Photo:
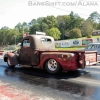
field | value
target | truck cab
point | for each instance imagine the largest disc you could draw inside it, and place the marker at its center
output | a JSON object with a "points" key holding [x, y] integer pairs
{"points": [[30, 47]]}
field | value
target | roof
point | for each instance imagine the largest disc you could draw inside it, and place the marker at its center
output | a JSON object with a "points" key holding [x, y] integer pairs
{"points": [[38, 43]]}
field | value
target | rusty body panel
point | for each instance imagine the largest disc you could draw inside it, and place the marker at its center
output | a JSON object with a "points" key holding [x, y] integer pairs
{"points": [[37, 50], [68, 61], [12, 57]]}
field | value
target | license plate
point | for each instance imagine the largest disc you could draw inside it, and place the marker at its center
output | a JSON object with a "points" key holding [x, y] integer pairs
{"points": [[87, 62]]}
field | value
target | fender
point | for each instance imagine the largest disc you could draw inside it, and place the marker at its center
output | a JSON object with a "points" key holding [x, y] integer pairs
{"points": [[61, 57], [12, 57]]}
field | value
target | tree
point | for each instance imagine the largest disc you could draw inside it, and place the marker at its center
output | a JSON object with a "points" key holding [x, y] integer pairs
{"points": [[12, 36], [19, 27], [63, 23], [24, 27], [75, 21], [55, 33], [5, 28], [51, 21], [68, 22], [87, 28], [33, 21], [34, 28], [98, 28], [40, 19], [4, 35], [95, 17], [75, 33], [44, 27]]}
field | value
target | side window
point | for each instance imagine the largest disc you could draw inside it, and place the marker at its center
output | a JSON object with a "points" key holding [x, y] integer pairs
{"points": [[89, 47], [45, 40], [93, 46], [26, 43]]}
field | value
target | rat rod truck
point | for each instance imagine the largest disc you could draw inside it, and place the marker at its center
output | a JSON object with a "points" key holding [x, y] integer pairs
{"points": [[39, 51]]}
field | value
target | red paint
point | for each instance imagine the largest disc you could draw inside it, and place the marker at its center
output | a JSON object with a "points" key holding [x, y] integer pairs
{"points": [[16, 94]]}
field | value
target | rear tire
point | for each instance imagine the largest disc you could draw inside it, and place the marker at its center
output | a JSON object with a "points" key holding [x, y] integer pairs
{"points": [[52, 66], [9, 64]]}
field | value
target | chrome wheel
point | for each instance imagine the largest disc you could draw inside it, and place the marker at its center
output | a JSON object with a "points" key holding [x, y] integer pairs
{"points": [[52, 66]]}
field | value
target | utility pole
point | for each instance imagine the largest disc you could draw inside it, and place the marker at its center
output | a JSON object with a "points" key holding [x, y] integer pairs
{"points": [[23, 31]]}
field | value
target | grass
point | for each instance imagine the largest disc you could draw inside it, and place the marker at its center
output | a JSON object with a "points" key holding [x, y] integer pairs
{"points": [[71, 48], [95, 36], [86, 37]]}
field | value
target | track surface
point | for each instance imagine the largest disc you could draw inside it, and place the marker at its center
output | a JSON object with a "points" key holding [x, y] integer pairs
{"points": [[35, 84]]}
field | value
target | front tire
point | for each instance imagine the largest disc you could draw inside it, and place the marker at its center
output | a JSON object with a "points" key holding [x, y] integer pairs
{"points": [[52, 66], [9, 64]]}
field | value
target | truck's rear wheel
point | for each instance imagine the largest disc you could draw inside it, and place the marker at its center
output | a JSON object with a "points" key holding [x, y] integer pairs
{"points": [[52, 66], [9, 64]]}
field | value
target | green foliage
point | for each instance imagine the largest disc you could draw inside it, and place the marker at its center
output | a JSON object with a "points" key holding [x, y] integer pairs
{"points": [[87, 28], [51, 21], [44, 27], [98, 27], [3, 36], [75, 21], [63, 23], [54, 32], [59, 27], [68, 22], [95, 17], [8, 36], [34, 28], [75, 33]]}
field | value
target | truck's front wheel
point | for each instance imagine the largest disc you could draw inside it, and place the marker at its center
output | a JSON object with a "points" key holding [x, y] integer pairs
{"points": [[52, 66], [9, 64]]}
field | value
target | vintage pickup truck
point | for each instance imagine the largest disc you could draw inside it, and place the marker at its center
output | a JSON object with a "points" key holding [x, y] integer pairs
{"points": [[39, 51]]}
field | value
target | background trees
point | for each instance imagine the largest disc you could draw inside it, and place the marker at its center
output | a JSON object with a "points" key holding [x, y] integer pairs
{"points": [[60, 27], [75, 33], [87, 29], [55, 33]]}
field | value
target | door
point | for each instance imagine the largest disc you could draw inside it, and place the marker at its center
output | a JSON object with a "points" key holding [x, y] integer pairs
{"points": [[25, 53]]}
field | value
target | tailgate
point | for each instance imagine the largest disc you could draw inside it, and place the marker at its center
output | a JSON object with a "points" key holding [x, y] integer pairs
{"points": [[90, 57]]}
